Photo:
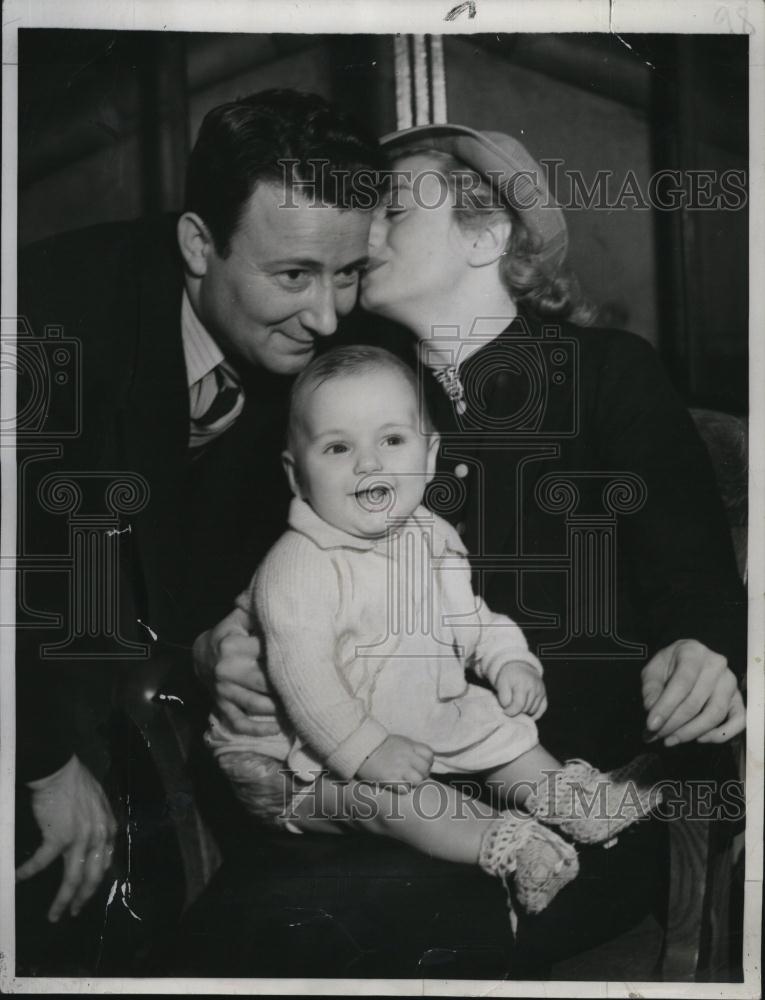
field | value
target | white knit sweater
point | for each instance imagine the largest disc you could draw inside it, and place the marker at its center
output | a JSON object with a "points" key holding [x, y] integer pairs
{"points": [[370, 637]]}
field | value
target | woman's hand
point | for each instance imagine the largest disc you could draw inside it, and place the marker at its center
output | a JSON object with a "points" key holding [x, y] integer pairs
{"points": [[226, 662], [690, 694], [75, 821]]}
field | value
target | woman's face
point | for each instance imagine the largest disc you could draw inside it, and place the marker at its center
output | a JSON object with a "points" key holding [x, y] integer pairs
{"points": [[416, 248]]}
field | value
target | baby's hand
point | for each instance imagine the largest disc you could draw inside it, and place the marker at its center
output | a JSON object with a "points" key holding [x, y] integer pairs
{"points": [[397, 759], [521, 689]]}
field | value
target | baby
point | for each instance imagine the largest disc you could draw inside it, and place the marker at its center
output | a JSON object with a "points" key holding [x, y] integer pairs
{"points": [[370, 622]]}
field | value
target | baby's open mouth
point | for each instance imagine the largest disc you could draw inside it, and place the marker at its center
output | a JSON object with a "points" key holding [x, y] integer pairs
{"points": [[376, 497]]}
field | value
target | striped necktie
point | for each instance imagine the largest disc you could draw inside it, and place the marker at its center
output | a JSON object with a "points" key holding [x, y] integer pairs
{"points": [[216, 401]]}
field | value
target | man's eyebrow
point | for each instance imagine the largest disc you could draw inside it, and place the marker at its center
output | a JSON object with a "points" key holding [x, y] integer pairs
{"points": [[359, 262], [311, 264], [307, 263]]}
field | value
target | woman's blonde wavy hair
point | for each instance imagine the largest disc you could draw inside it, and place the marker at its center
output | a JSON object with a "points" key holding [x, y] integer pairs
{"points": [[548, 295]]}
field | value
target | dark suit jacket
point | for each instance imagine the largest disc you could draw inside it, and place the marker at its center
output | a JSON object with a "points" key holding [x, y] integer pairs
{"points": [[115, 290]]}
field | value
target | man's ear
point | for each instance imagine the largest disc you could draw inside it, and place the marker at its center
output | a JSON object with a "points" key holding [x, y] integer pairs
{"points": [[490, 242], [289, 467], [195, 243], [432, 456]]}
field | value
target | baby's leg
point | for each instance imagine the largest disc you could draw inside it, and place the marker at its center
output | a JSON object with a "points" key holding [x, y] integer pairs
{"points": [[444, 823], [432, 817], [515, 781]]}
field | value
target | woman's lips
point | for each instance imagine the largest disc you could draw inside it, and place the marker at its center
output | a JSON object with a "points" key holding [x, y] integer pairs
{"points": [[372, 266]]}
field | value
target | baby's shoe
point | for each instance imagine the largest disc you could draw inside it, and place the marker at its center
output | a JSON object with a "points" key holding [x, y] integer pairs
{"points": [[540, 861], [592, 807]]}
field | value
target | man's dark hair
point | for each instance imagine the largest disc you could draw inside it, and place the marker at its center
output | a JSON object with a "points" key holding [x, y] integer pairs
{"points": [[250, 139]]}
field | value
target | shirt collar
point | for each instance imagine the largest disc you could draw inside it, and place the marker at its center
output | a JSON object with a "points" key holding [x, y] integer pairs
{"points": [[201, 352], [303, 518]]}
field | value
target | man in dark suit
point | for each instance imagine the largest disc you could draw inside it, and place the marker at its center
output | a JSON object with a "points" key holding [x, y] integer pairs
{"points": [[186, 332]]}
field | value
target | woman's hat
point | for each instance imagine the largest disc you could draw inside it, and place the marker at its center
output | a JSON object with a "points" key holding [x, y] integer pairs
{"points": [[514, 174]]}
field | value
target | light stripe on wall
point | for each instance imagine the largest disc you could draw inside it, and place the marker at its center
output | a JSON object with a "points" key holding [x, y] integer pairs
{"points": [[420, 80], [437, 79], [403, 83]]}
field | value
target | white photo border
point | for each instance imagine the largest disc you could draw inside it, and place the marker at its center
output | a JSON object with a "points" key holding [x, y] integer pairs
{"points": [[409, 16]]}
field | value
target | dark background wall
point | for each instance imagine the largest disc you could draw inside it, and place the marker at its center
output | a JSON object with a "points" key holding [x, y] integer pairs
{"points": [[106, 120]]}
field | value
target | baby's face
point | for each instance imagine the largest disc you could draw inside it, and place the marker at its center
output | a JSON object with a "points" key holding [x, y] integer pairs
{"points": [[361, 460]]}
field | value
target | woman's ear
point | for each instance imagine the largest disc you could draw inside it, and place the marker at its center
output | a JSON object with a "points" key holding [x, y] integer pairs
{"points": [[490, 242], [289, 467], [195, 243], [432, 455]]}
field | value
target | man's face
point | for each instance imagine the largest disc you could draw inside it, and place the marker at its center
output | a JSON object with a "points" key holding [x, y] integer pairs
{"points": [[360, 458], [290, 273]]}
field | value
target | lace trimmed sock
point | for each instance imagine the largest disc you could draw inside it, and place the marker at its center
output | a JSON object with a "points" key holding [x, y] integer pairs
{"points": [[539, 861], [590, 806]]}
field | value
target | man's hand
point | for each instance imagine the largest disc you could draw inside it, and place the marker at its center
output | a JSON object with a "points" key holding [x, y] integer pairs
{"points": [[226, 662], [397, 759], [521, 689], [690, 694], [76, 821]]}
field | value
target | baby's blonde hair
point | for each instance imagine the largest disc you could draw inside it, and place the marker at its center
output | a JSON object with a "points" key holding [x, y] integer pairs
{"points": [[342, 362]]}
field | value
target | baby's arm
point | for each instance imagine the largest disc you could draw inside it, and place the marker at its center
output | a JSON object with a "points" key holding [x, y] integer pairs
{"points": [[495, 646], [503, 658], [296, 596]]}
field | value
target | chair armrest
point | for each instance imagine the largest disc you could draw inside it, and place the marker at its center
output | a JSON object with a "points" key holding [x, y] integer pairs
{"points": [[162, 699]]}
